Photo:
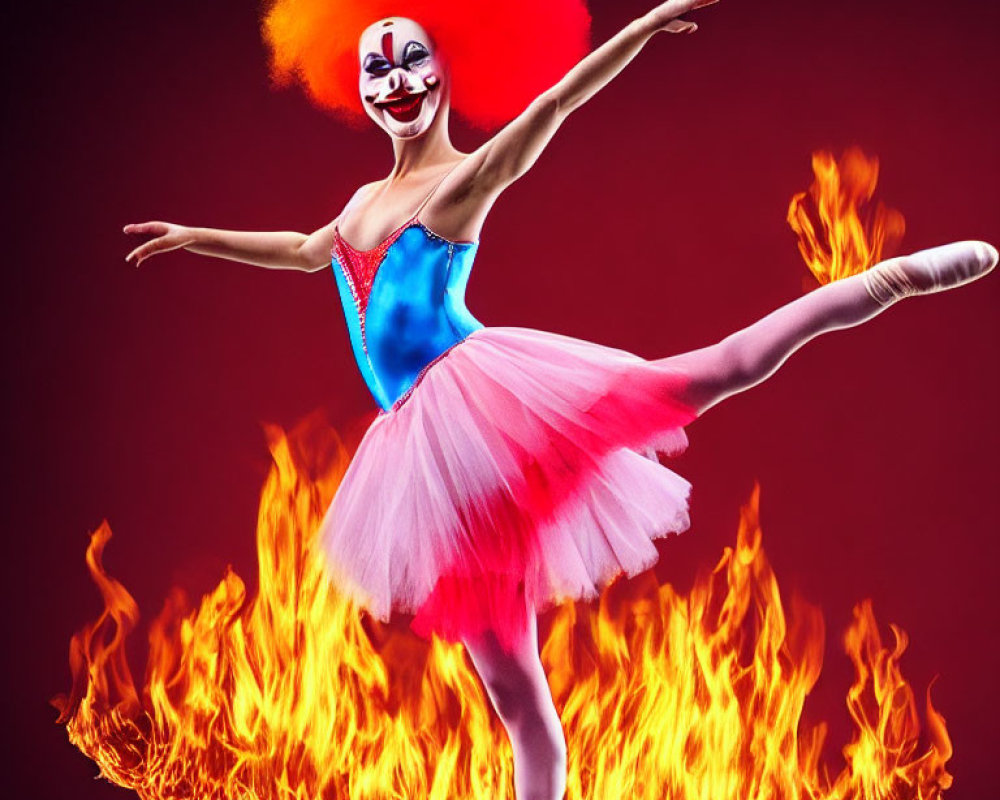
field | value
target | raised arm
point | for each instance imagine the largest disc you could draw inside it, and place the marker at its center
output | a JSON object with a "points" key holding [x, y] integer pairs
{"points": [[274, 250], [512, 152]]}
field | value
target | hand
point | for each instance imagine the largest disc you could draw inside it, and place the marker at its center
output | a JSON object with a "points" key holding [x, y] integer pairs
{"points": [[665, 16], [165, 236]]}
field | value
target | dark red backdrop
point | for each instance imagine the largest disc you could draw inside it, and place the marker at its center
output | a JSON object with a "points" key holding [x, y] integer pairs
{"points": [[654, 223]]}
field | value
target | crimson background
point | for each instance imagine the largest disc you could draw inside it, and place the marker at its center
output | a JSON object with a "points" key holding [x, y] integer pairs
{"points": [[654, 223]]}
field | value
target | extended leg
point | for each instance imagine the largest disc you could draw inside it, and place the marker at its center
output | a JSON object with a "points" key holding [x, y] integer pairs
{"points": [[751, 355], [520, 694]]}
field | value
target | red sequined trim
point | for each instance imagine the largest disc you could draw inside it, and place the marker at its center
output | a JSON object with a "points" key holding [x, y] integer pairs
{"points": [[361, 266]]}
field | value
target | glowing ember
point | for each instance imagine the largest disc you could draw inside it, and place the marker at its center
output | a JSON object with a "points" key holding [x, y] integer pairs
{"points": [[840, 234], [288, 695]]}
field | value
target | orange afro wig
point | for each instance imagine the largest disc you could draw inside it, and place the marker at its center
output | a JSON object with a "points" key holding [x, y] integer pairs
{"points": [[501, 55]]}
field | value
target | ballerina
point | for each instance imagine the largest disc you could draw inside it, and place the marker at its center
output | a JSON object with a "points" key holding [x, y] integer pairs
{"points": [[510, 468]]}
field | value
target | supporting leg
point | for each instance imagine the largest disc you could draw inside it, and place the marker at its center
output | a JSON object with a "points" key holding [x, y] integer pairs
{"points": [[753, 354], [520, 695]]}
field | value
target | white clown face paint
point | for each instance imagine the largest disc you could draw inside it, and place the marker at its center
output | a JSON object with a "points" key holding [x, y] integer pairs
{"points": [[401, 77]]}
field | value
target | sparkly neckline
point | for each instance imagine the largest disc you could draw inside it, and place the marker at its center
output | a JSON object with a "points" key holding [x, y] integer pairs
{"points": [[395, 234]]}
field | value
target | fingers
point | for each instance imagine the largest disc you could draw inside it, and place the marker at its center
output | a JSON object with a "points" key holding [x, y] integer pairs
{"points": [[158, 230], [142, 252], [668, 15], [154, 228], [681, 26], [160, 244]]}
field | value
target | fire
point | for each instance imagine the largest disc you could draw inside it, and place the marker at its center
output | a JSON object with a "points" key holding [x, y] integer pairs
{"points": [[840, 233], [289, 693]]}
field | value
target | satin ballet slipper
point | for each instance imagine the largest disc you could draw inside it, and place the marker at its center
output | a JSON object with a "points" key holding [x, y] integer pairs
{"points": [[926, 271]]}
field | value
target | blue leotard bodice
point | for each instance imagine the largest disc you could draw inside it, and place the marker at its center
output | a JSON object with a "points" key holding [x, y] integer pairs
{"points": [[404, 302]]}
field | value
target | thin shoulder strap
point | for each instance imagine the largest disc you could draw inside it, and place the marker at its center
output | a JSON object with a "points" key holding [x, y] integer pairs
{"points": [[436, 187], [350, 203]]}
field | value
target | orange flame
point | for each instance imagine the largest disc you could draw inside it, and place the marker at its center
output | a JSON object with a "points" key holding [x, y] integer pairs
{"points": [[839, 233], [289, 694]]}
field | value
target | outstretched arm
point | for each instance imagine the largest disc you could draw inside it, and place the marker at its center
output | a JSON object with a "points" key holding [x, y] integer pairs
{"points": [[275, 250], [512, 152]]}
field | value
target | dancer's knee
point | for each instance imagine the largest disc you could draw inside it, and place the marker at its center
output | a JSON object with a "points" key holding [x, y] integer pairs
{"points": [[518, 698], [735, 364], [521, 698], [509, 696]]}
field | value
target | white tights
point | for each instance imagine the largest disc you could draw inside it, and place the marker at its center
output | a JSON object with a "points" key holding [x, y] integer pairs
{"points": [[516, 685], [752, 355]]}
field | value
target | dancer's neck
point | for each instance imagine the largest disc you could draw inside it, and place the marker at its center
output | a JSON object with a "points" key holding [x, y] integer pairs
{"points": [[427, 151]]}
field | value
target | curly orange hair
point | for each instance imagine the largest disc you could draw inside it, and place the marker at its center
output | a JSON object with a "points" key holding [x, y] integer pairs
{"points": [[501, 55]]}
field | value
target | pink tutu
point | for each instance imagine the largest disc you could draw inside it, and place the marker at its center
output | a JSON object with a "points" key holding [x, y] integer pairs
{"points": [[520, 471]]}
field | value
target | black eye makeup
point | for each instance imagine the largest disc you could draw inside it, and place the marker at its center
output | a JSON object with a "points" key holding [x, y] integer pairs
{"points": [[376, 65], [414, 53]]}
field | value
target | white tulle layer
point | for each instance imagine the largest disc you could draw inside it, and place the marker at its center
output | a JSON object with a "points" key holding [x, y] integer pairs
{"points": [[513, 476]]}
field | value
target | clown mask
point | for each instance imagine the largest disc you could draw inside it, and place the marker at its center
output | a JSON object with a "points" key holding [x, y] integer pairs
{"points": [[400, 79]]}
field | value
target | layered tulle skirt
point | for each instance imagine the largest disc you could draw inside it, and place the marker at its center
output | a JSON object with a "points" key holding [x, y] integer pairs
{"points": [[521, 470]]}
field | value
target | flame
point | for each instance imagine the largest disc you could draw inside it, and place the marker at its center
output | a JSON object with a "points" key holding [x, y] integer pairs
{"points": [[289, 693], [840, 234]]}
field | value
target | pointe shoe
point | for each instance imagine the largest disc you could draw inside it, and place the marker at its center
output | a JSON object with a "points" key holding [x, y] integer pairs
{"points": [[927, 271]]}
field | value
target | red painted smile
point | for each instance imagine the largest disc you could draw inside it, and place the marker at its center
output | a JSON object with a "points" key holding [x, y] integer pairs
{"points": [[403, 109]]}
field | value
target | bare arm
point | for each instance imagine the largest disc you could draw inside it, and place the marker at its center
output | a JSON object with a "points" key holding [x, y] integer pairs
{"points": [[512, 152], [274, 250]]}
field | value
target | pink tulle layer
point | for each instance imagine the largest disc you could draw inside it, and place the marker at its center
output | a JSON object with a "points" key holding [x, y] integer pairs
{"points": [[518, 473]]}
